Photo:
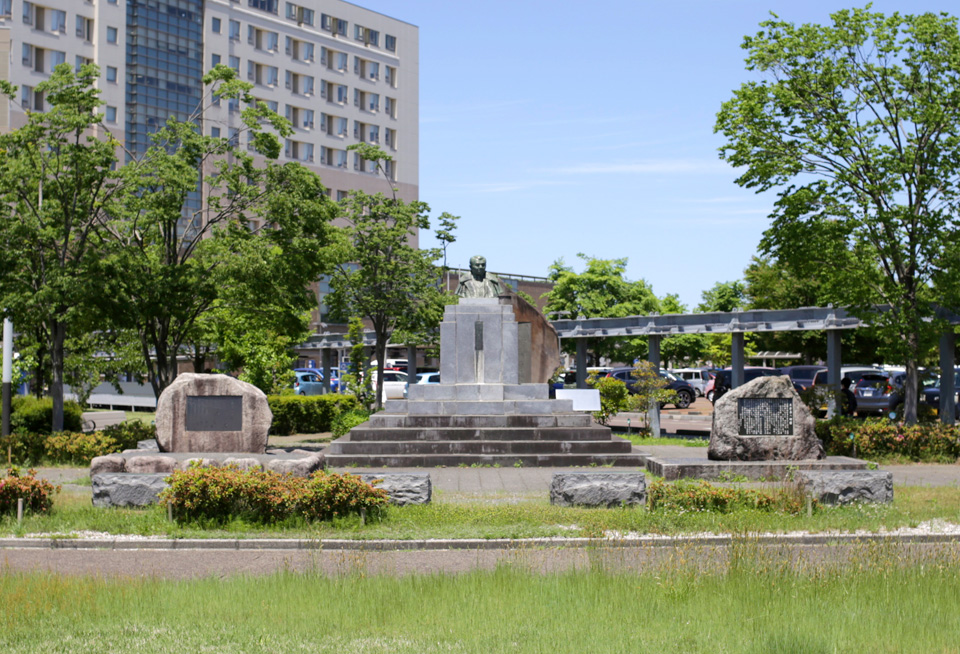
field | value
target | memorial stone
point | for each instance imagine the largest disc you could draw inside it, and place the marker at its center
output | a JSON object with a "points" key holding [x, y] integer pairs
{"points": [[763, 420], [212, 413]]}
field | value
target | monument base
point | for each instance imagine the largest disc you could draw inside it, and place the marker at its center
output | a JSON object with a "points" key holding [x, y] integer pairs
{"points": [[700, 467]]}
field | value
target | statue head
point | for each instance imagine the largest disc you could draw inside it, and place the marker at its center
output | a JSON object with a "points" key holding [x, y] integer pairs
{"points": [[478, 267]]}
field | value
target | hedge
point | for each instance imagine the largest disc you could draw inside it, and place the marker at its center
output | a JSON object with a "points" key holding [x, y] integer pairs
{"points": [[73, 447], [36, 416], [308, 414], [879, 437]]}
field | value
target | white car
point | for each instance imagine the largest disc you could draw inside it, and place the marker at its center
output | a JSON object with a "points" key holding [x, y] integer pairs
{"points": [[394, 383], [428, 378]]}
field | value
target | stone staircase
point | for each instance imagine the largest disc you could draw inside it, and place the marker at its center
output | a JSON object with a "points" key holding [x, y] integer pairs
{"points": [[559, 439]]}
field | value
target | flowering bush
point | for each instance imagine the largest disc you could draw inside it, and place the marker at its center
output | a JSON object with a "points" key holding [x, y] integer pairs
{"points": [[220, 494], [879, 437], [702, 496], [36, 493]]}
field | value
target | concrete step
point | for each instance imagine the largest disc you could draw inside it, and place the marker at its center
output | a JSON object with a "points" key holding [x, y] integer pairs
{"points": [[503, 460], [478, 447], [593, 433], [482, 421]]}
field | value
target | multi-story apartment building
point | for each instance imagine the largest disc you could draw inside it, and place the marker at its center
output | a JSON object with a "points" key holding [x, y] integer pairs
{"points": [[340, 73]]}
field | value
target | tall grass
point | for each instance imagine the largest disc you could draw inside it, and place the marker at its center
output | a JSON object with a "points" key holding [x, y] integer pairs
{"points": [[880, 602]]}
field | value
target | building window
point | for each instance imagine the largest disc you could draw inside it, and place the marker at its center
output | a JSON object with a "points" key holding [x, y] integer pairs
{"points": [[58, 21], [367, 35], [390, 76], [85, 28], [111, 74], [79, 62], [214, 60], [111, 114], [215, 25], [390, 107], [234, 63], [111, 35], [57, 58], [335, 26], [215, 132], [28, 14], [234, 30], [6, 8], [300, 14], [390, 42], [264, 5]]}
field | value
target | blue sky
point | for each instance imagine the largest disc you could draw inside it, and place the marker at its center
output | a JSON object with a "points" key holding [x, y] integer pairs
{"points": [[553, 129]]}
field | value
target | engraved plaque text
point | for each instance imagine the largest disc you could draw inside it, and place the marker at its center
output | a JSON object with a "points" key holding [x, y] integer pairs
{"points": [[214, 413], [765, 416]]}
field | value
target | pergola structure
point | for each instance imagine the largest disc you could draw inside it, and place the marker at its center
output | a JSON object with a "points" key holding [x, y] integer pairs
{"points": [[830, 319]]}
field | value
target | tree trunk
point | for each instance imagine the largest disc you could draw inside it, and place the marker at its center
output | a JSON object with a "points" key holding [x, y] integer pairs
{"points": [[911, 383], [57, 338], [381, 351]]}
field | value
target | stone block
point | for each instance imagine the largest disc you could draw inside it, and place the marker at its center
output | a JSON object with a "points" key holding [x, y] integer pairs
{"points": [[607, 489], [148, 445], [425, 408], [473, 408], [127, 489], [542, 406], [526, 392], [243, 463], [107, 464], [491, 392], [511, 367], [298, 467], [403, 488], [847, 486], [431, 392], [203, 462], [448, 350], [151, 464], [212, 413], [776, 424]]}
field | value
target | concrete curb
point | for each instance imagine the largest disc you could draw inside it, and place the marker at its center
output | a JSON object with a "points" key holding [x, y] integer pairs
{"points": [[275, 544]]}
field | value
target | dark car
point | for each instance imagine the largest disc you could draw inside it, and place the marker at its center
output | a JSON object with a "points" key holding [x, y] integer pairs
{"points": [[724, 378], [931, 392], [873, 393], [685, 392], [801, 376], [334, 376]]}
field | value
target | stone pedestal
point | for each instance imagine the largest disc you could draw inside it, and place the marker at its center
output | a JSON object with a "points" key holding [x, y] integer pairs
{"points": [[480, 412]]}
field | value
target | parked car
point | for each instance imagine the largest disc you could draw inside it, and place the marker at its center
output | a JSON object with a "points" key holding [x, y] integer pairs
{"points": [[307, 383], [873, 392], [801, 376], [428, 378], [685, 392], [334, 376], [931, 393], [853, 372], [696, 377], [394, 383], [725, 378]]}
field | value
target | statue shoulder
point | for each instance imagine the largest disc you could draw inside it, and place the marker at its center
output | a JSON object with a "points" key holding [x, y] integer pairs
{"points": [[493, 277], [466, 276]]}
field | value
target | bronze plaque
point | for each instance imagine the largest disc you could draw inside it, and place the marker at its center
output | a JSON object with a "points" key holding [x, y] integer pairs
{"points": [[214, 413], [765, 416]]}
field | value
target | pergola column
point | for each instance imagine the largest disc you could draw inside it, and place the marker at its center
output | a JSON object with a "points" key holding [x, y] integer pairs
{"points": [[653, 411], [833, 371], [736, 359], [581, 363], [325, 356], [948, 400]]}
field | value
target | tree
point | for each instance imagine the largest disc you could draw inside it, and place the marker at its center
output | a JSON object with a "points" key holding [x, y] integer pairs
{"points": [[388, 281], [57, 191], [600, 291], [246, 254], [858, 124], [681, 349], [648, 388], [723, 297]]}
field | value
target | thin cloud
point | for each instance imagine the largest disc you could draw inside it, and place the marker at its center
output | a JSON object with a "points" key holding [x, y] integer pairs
{"points": [[650, 167], [506, 187]]}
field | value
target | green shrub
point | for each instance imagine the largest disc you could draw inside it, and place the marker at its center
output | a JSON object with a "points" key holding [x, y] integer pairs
{"points": [[310, 414], [25, 448], [346, 421], [36, 493], [222, 494], [79, 448], [129, 433], [879, 437], [703, 496], [614, 397], [36, 416]]}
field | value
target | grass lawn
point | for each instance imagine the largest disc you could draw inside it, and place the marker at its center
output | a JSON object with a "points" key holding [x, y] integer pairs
{"points": [[879, 604], [524, 519]]}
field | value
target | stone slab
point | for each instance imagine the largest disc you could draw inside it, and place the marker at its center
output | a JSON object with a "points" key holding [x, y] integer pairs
{"points": [[127, 489], [135, 461], [606, 489], [847, 486], [749, 425], [174, 435], [526, 392], [700, 467], [403, 488]]}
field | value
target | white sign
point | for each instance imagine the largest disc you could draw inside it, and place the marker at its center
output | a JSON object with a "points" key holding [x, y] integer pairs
{"points": [[584, 399]]}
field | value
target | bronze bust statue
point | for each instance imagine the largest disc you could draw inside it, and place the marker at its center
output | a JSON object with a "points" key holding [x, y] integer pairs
{"points": [[478, 283]]}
